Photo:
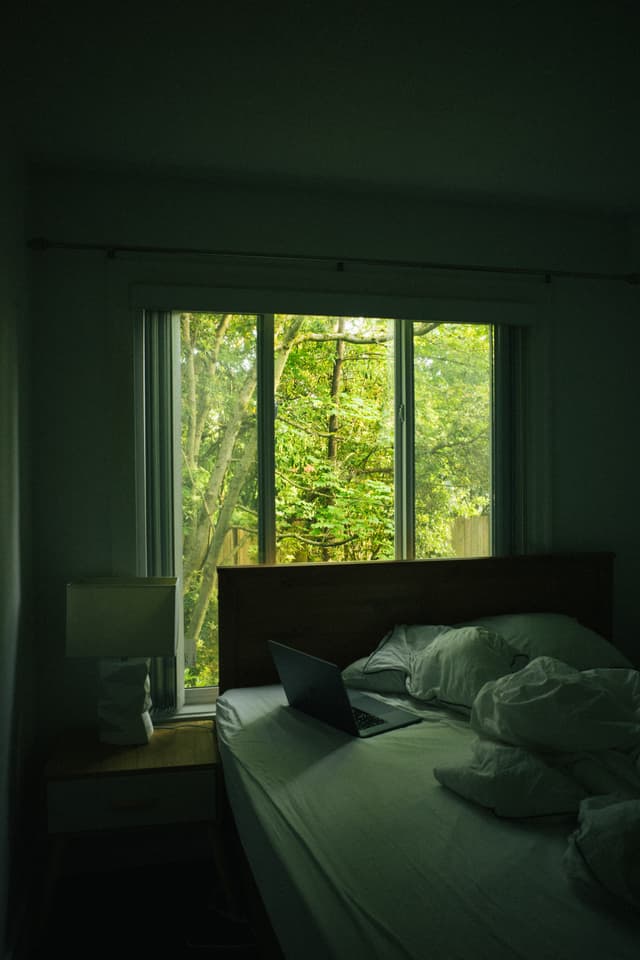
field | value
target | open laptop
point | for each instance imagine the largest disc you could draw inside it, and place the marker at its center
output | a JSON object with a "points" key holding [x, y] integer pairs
{"points": [[316, 687]]}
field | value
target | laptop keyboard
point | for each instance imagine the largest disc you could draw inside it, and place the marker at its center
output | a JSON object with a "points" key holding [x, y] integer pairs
{"points": [[364, 719]]}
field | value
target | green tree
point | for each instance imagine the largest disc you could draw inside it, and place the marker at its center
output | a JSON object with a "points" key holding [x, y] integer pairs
{"points": [[334, 446], [452, 373], [334, 443]]}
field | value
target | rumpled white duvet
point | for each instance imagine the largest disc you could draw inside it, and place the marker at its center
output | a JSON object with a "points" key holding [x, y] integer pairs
{"points": [[551, 740], [554, 740]]}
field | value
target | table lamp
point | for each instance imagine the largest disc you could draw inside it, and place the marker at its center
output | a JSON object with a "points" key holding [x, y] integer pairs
{"points": [[123, 622]]}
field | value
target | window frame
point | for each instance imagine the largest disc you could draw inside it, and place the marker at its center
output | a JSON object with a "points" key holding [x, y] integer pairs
{"points": [[507, 528]]}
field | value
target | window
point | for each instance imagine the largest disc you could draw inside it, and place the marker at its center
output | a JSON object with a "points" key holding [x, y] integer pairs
{"points": [[296, 438]]}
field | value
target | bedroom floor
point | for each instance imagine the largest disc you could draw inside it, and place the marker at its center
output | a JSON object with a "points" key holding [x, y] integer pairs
{"points": [[144, 912]]}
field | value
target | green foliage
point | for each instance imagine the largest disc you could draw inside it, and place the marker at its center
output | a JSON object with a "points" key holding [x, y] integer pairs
{"points": [[452, 371], [335, 502], [333, 445]]}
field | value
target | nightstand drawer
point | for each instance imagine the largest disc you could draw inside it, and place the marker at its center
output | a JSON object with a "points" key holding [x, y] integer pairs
{"points": [[111, 802]]}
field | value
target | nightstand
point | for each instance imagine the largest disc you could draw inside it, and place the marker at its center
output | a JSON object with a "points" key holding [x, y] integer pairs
{"points": [[135, 833], [93, 789], [98, 786]]}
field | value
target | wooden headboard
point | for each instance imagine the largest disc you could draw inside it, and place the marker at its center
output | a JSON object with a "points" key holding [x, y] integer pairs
{"points": [[341, 611]]}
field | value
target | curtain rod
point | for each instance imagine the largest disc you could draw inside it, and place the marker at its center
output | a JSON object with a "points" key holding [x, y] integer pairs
{"points": [[112, 249]]}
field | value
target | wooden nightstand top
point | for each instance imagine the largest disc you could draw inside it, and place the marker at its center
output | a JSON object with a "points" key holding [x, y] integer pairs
{"points": [[188, 743]]}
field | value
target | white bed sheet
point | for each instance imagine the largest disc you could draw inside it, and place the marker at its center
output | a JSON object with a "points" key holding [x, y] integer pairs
{"points": [[359, 852]]}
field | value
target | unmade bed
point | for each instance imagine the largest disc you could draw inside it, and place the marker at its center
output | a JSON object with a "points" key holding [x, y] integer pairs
{"points": [[362, 847]]}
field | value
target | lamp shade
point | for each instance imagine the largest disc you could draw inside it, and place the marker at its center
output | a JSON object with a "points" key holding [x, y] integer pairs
{"points": [[135, 617]]}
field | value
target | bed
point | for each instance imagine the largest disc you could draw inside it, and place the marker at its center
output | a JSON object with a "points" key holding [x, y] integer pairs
{"points": [[356, 847]]}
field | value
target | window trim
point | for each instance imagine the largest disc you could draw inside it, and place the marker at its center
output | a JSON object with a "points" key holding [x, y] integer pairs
{"points": [[137, 282], [162, 484], [508, 453]]}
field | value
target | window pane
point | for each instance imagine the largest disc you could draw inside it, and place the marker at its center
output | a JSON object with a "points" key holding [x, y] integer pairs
{"points": [[334, 438], [452, 383], [334, 449], [219, 471]]}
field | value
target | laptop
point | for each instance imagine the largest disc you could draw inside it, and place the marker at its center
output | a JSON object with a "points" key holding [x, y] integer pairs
{"points": [[316, 687]]}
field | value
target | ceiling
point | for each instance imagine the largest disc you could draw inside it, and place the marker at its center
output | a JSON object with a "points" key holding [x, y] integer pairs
{"points": [[512, 101]]}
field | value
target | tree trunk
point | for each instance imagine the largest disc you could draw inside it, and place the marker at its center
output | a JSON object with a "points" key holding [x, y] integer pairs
{"points": [[209, 577], [205, 546], [336, 382]]}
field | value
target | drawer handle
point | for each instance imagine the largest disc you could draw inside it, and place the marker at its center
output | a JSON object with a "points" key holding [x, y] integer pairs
{"points": [[144, 804]]}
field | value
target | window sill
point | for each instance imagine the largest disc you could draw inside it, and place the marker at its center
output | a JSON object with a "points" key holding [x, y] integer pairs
{"points": [[203, 711]]}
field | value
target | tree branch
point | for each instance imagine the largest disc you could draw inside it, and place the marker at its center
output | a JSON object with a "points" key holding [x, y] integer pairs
{"points": [[458, 443], [325, 544]]}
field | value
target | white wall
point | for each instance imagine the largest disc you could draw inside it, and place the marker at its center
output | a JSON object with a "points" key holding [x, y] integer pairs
{"points": [[82, 378], [218, 215], [596, 449], [16, 697], [73, 396]]}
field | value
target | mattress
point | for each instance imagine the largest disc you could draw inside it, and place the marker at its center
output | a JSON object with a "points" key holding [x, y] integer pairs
{"points": [[358, 851]]}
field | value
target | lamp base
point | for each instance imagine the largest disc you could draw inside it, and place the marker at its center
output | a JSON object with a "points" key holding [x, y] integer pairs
{"points": [[124, 702]]}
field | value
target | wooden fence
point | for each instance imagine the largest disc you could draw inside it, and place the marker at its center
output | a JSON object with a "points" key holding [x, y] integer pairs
{"points": [[471, 536]]}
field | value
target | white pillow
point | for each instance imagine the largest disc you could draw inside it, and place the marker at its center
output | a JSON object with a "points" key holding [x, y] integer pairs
{"points": [[380, 681], [554, 635], [399, 648], [457, 663]]}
